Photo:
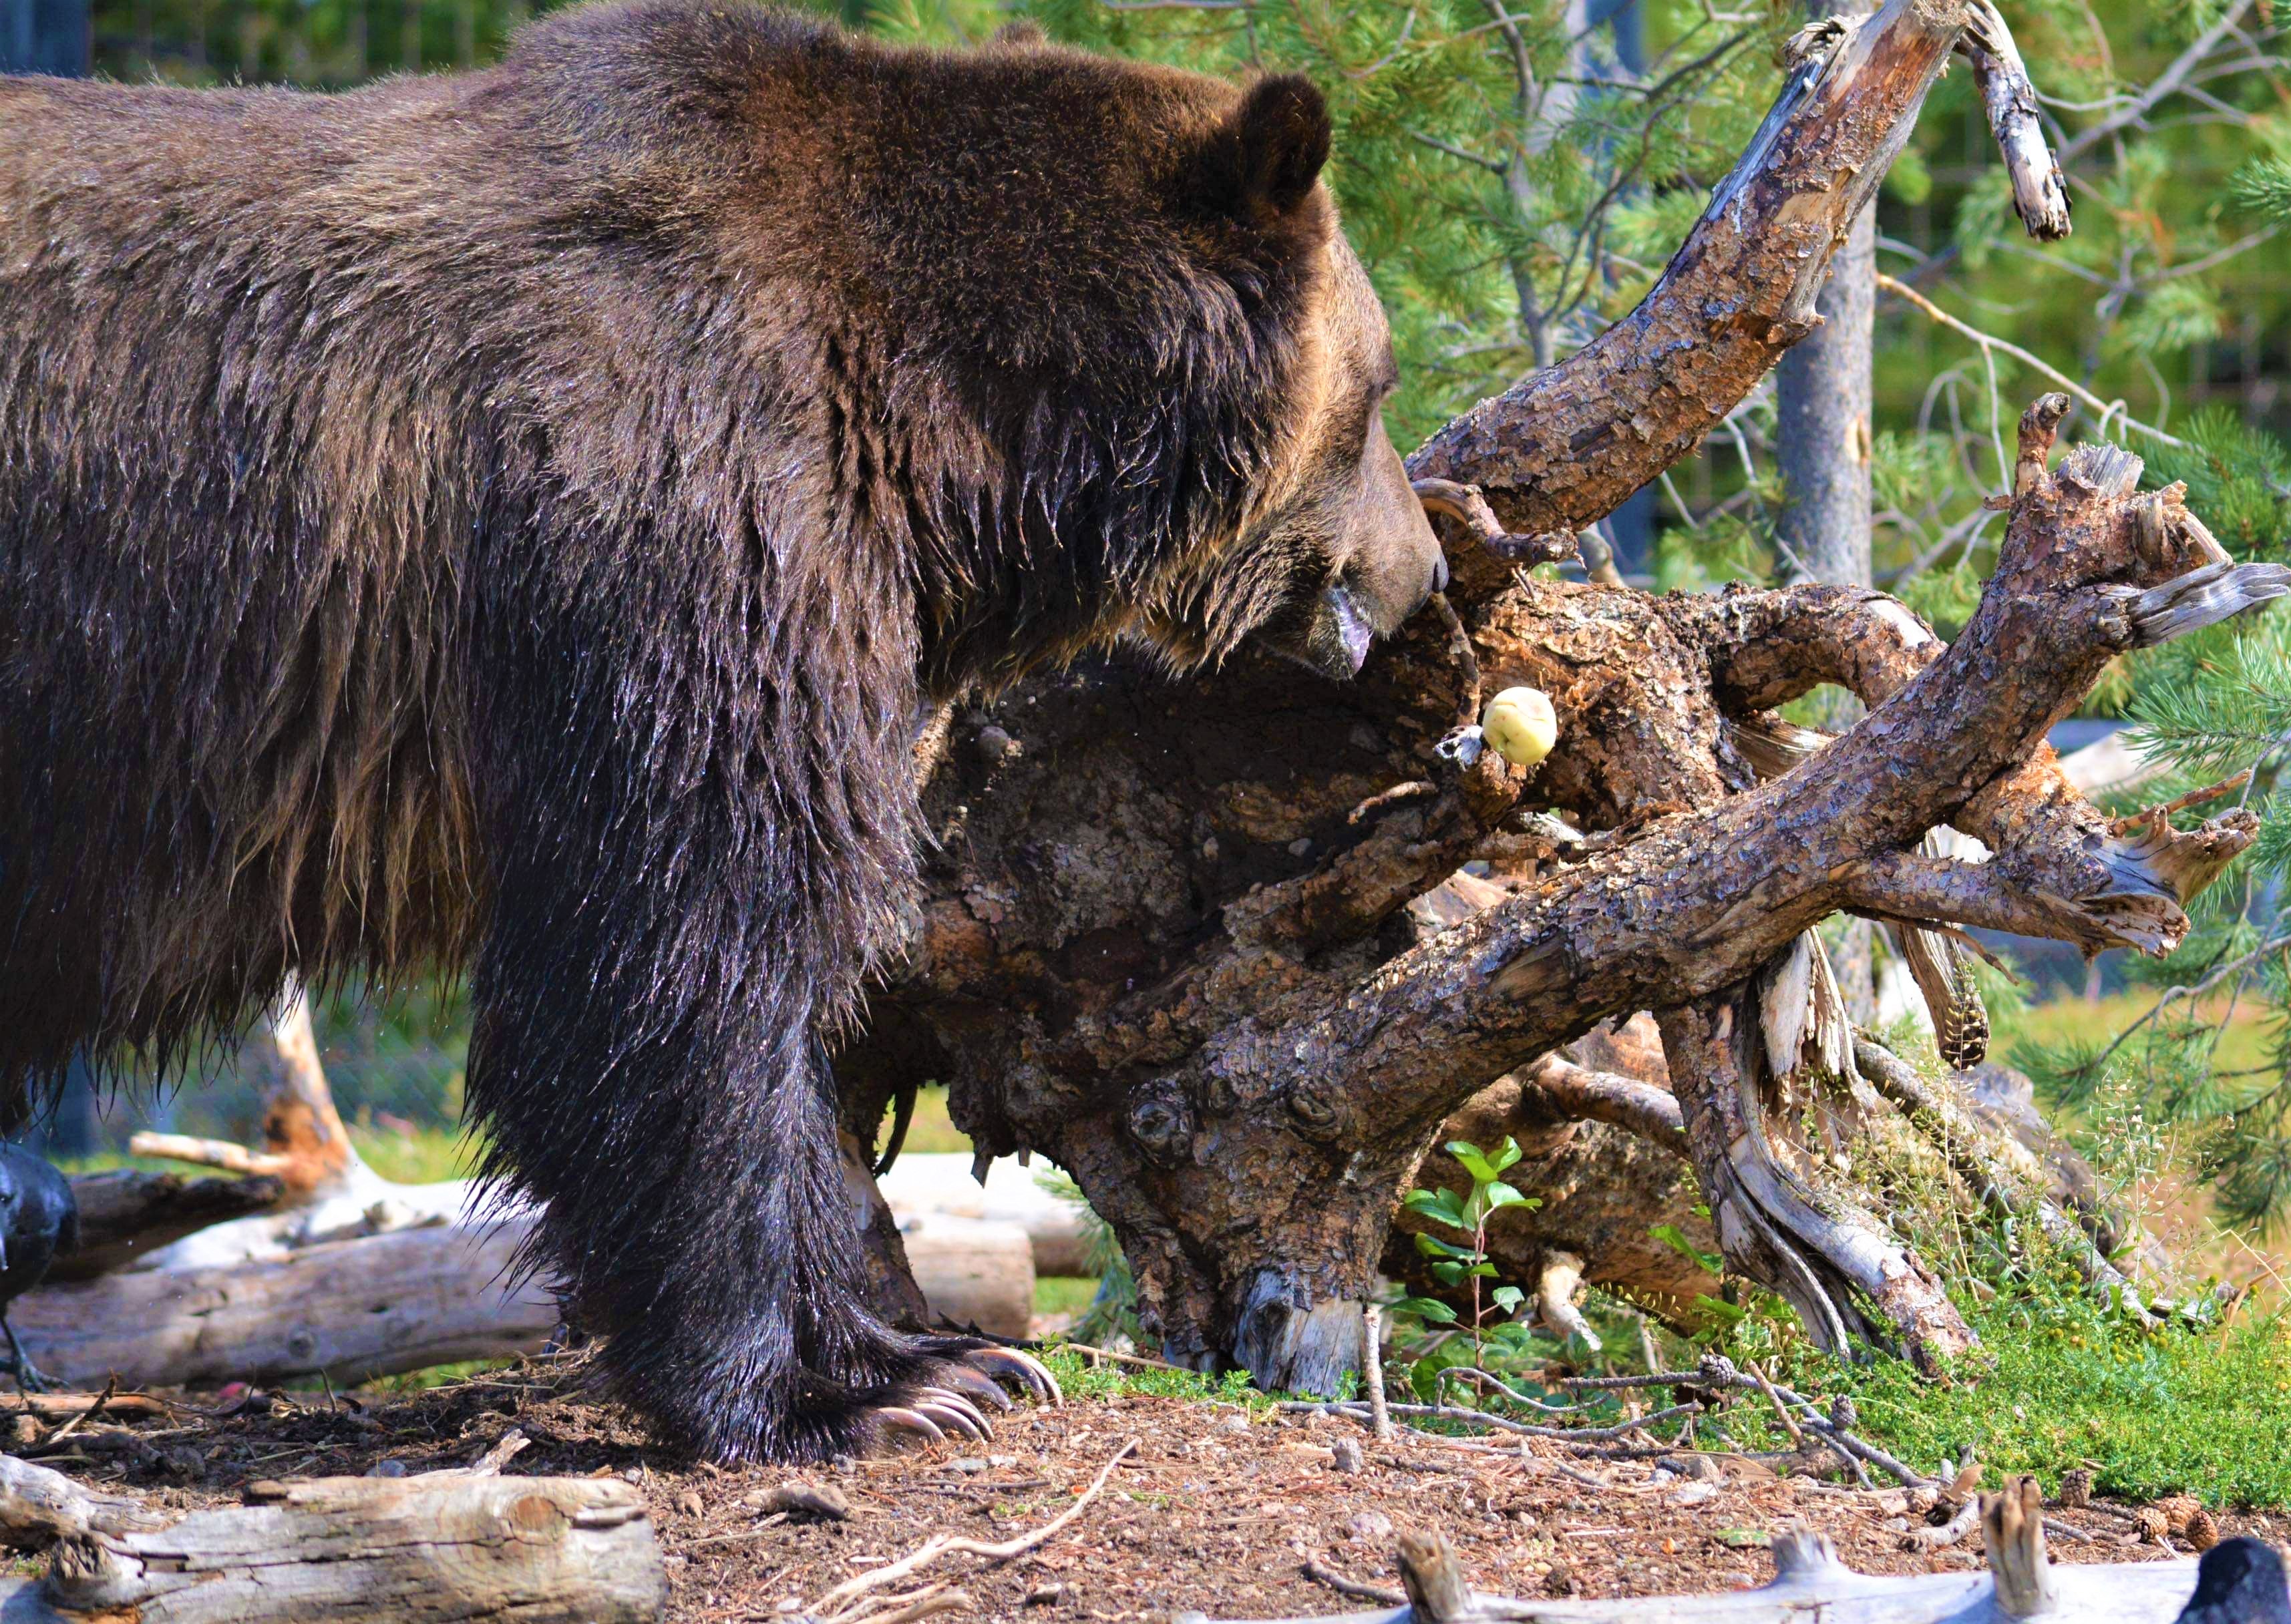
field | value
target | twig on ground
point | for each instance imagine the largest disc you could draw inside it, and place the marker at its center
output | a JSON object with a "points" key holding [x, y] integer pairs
{"points": [[1797, 1435], [1480, 1418], [110, 1386], [1967, 1519], [1472, 1372], [838, 1605], [490, 1463], [1716, 1371], [1322, 1574]]}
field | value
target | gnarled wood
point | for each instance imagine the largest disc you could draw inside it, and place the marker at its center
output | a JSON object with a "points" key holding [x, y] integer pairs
{"points": [[1565, 446], [1245, 1105]]}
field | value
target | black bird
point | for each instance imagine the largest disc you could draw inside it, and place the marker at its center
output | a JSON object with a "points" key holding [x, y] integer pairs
{"points": [[2239, 1582], [39, 1219]]}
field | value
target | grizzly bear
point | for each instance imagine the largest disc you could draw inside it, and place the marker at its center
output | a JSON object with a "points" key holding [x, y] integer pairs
{"points": [[515, 520]]}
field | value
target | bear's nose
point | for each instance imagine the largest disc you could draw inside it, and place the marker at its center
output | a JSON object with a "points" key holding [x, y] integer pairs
{"points": [[1439, 572]]}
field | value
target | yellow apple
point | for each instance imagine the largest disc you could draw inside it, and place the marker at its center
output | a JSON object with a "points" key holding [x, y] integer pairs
{"points": [[1520, 725]]}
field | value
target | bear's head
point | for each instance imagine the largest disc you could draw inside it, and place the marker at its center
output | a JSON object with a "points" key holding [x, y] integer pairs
{"points": [[1332, 549], [1135, 375]]}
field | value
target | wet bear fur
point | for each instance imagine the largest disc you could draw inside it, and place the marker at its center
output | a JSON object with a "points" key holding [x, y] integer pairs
{"points": [[513, 521]]}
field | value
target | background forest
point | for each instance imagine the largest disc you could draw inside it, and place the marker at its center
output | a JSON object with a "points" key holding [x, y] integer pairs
{"points": [[1515, 173]]}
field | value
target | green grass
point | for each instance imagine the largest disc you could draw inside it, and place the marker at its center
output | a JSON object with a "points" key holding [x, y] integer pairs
{"points": [[2203, 1413], [426, 1155], [2062, 1379], [1082, 1379], [1063, 1293], [436, 1376]]}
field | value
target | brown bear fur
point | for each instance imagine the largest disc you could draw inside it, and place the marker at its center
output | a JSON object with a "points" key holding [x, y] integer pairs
{"points": [[514, 520]]}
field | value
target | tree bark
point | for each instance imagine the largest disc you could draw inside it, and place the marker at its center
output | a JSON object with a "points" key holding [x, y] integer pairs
{"points": [[1821, 420]]}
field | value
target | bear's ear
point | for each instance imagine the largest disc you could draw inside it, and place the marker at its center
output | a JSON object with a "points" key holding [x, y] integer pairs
{"points": [[1023, 34], [1265, 154]]}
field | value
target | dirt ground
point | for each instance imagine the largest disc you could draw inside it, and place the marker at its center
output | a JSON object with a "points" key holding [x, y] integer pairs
{"points": [[1215, 1509]]}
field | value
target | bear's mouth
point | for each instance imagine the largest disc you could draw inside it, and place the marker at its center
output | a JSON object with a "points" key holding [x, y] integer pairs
{"points": [[1334, 638]]}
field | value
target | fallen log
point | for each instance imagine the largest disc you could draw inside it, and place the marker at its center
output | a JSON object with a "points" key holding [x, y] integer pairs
{"points": [[973, 1274], [461, 1545], [1811, 1582], [423, 1277], [352, 1309], [124, 1216], [1002, 1193]]}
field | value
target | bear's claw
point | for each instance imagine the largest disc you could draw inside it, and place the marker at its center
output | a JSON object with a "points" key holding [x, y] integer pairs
{"points": [[973, 1385], [950, 1412], [1023, 1367], [900, 1417]]}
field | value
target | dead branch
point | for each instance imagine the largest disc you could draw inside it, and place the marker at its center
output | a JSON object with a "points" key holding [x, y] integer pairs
{"points": [[125, 1215], [1577, 1092], [1321, 1573], [1463, 504], [2040, 195], [1968, 1515], [1566, 445], [304, 1142]]}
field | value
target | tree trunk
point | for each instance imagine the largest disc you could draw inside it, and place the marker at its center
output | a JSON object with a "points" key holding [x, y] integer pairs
{"points": [[1822, 398], [1821, 423]]}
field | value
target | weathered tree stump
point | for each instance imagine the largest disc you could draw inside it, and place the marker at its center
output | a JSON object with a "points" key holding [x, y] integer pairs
{"points": [[1160, 947], [1168, 938]]}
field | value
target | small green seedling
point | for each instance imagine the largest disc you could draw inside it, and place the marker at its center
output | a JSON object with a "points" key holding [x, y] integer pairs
{"points": [[1452, 1265]]}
